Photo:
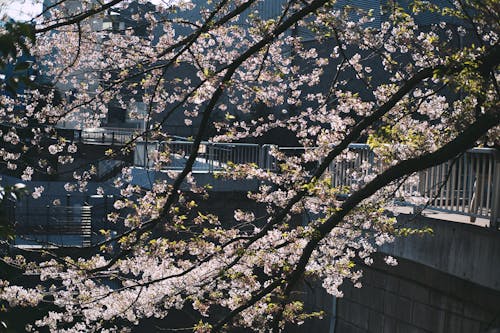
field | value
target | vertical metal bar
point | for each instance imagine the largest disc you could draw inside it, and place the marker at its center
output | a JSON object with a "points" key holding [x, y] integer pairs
{"points": [[472, 181], [344, 176], [439, 186], [477, 187], [448, 176], [481, 183], [437, 180], [446, 186], [261, 157], [490, 160], [467, 181], [211, 157], [47, 215], [431, 185], [451, 191], [495, 199], [460, 191], [339, 173]]}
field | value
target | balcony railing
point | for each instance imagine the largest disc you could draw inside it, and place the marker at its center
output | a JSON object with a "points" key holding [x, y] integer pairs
{"points": [[469, 184], [105, 136], [211, 156]]}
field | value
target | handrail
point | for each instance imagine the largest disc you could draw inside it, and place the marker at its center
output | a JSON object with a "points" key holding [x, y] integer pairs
{"points": [[467, 185], [211, 156]]}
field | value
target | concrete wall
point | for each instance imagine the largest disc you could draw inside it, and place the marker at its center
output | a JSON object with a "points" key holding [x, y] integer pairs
{"points": [[462, 250], [445, 282], [414, 298]]}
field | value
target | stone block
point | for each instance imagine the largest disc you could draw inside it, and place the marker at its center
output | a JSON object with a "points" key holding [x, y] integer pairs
{"points": [[453, 323], [475, 313], [470, 326], [342, 326], [346, 327], [375, 322], [392, 283], [390, 324], [398, 307], [373, 297], [427, 317], [358, 294], [408, 328], [414, 291], [358, 315], [378, 279], [454, 306], [342, 308]]}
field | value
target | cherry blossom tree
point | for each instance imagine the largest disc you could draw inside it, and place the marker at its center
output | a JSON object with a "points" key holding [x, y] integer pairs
{"points": [[416, 80]]}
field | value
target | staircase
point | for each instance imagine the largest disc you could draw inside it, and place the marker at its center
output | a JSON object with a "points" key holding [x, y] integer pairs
{"points": [[86, 225]]}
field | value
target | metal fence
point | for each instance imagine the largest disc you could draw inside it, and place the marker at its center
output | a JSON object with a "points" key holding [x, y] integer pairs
{"points": [[53, 225], [210, 156], [469, 184], [359, 163], [294, 152], [107, 136]]}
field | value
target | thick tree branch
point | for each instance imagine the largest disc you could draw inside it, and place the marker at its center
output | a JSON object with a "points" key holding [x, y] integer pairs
{"points": [[78, 18], [462, 142]]}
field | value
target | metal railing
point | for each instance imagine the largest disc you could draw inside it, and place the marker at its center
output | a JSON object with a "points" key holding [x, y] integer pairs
{"points": [[469, 184], [110, 135], [211, 156], [354, 168], [107, 136], [53, 225]]}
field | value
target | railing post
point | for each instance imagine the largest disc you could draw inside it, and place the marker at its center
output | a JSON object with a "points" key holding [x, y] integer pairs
{"points": [[210, 157], [68, 208], [261, 156], [265, 157], [47, 216], [271, 161], [495, 202]]}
